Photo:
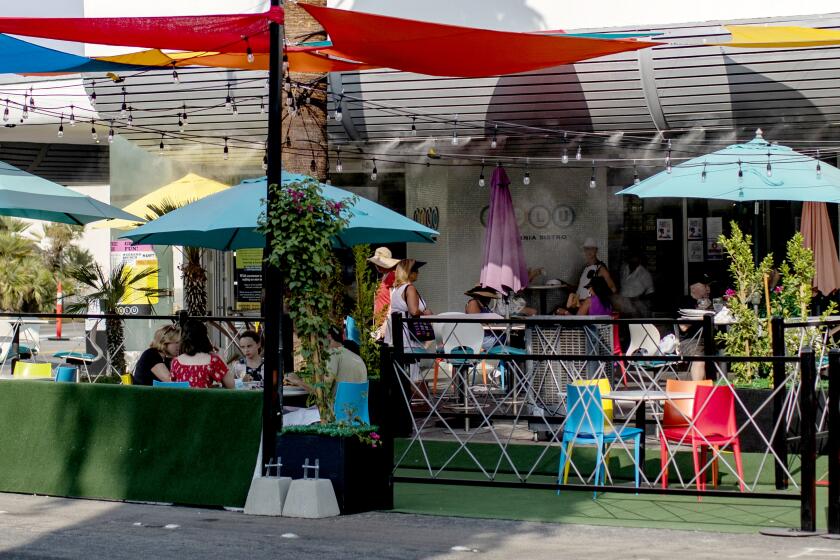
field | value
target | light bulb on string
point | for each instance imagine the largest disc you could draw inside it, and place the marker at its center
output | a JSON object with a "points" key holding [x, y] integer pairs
{"points": [[249, 52], [265, 162], [313, 167], [414, 126], [93, 133], [339, 114], [565, 159], [72, 114], [185, 117], [288, 141], [455, 131], [161, 146], [769, 168], [287, 84], [636, 179], [668, 161], [819, 168], [740, 173], [31, 99], [329, 178], [25, 114], [495, 141], [374, 174], [481, 175], [703, 173], [579, 154], [526, 180], [93, 94], [130, 117], [124, 106], [338, 166], [180, 124], [61, 126], [262, 105], [592, 182], [175, 78], [225, 150], [285, 63], [228, 99], [235, 109], [6, 112], [111, 133]]}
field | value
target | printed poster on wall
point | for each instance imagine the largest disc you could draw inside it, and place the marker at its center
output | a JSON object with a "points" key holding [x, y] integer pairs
{"points": [[695, 228], [248, 278], [136, 259], [664, 229], [695, 251], [714, 229]]}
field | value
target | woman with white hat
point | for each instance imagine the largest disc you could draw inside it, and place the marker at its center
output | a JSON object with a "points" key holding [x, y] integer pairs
{"points": [[594, 267], [385, 265]]}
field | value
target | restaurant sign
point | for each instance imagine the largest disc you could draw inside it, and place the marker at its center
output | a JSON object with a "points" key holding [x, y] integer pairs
{"points": [[136, 259], [248, 279]]}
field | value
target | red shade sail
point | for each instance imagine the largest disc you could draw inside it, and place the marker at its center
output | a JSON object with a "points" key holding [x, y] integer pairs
{"points": [[447, 50], [218, 33]]}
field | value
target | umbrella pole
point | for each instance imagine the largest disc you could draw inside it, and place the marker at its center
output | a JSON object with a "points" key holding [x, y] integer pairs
{"points": [[273, 281]]}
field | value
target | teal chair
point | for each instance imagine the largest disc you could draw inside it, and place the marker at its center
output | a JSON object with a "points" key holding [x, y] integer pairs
{"points": [[585, 425], [351, 331], [351, 403], [171, 384], [65, 374], [501, 351]]}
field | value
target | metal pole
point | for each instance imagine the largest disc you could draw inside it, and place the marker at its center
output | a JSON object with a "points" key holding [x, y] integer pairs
{"points": [[833, 441], [777, 333], [273, 282], [709, 344], [807, 411]]}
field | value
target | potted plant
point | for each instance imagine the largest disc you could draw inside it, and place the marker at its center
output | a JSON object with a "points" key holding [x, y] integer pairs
{"points": [[354, 457]]}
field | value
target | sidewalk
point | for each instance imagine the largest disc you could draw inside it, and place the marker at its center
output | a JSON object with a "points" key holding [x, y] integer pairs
{"points": [[41, 527]]}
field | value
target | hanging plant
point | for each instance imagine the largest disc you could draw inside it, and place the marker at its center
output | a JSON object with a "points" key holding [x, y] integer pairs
{"points": [[303, 224]]}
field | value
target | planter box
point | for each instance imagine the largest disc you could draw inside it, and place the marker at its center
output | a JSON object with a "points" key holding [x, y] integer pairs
{"points": [[360, 474], [751, 441]]}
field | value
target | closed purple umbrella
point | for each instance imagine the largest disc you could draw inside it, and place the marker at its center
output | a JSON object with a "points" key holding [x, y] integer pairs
{"points": [[503, 267]]}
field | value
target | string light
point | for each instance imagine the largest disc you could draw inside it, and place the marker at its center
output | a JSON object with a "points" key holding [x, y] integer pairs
{"points": [[180, 123], [31, 99], [668, 158], [313, 167], [124, 106], [61, 126], [130, 117], [636, 179], [265, 162], [414, 126], [186, 117], [93, 94], [226, 151], [565, 158], [25, 114], [703, 173], [285, 64], [249, 53], [329, 178], [819, 169], [481, 175], [579, 154], [288, 140], [374, 174], [338, 167], [455, 131], [111, 133], [93, 133], [495, 141], [287, 85], [262, 105], [6, 112], [526, 180], [592, 183], [228, 100], [769, 168], [161, 146], [740, 173], [234, 109], [175, 78]]}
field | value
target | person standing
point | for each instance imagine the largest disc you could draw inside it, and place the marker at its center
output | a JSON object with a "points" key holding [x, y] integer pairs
{"points": [[593, 267], [406, 299], [385, 265], [636, 288]]}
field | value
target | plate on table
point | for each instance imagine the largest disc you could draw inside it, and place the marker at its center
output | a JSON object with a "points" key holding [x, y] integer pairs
{"points": [[291, 391], [694, 312]]}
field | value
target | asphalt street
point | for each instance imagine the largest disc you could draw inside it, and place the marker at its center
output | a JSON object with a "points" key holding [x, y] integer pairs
{"points": [[42, 527]]}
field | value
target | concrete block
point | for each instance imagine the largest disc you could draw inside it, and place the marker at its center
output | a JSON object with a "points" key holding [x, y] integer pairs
{"points": [[267, 495], [312, 498]]}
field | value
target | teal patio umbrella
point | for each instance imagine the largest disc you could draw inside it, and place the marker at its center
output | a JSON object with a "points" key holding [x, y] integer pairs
{"points": [[227, 220], [756, 170], [28, 196]]}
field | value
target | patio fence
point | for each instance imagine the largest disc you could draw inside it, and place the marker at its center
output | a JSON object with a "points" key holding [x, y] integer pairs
{"points": [[505, 416]]}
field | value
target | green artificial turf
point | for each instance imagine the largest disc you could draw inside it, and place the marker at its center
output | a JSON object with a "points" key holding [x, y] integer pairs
{"points": [[645, 510], [190, 446]]}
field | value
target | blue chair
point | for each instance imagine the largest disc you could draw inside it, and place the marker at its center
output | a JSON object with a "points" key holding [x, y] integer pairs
{"points": [[585, 424], [171, 384], [351, 331], [502, 350], [65, 374], [351, 403]]}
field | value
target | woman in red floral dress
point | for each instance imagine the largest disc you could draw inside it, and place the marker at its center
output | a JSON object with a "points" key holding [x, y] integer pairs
{"points": [[197, 364]]}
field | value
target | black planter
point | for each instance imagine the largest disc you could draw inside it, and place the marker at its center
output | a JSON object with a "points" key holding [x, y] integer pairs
{"points": [[751, 441], [361, 474]]}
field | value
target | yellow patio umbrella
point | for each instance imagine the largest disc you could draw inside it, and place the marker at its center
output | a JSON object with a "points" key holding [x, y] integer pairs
{"points": [[775, 37], [188, 188]]}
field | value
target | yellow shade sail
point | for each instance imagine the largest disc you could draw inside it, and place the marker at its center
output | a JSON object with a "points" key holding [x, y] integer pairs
{"points": [[188, 188], [760, 37]]}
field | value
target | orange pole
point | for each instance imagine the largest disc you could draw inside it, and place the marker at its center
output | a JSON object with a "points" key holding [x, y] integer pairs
{"points": [[59, 308]]}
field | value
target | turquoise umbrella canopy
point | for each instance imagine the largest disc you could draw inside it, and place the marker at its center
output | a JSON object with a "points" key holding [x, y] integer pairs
{"points": [[228, 220], [28, 196], [756, 170]]}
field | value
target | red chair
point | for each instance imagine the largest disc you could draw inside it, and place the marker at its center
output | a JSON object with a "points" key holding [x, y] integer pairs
{"points": [[617, 351], [714, 426]]}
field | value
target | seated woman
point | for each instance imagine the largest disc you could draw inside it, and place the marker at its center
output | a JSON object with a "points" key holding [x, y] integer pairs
{"points": [[480, 299], [154, 362], [251, 364], [198, 364], [598, 302]]}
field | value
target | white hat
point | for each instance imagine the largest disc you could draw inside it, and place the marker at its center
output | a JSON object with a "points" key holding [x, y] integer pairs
{"points": [[382, 257], [589, 242]]}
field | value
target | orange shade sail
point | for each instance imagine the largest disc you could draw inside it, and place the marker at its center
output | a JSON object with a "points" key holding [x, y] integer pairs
{"points": [[447, 50]]}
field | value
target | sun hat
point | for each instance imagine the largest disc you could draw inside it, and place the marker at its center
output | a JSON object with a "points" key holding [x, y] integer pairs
{"points": [[382, 257], [589, 243], [417, 264], [479, 290]]}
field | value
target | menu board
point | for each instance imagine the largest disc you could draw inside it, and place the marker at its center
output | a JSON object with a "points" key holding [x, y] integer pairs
{"points": [[248, 279], [136, 259]]}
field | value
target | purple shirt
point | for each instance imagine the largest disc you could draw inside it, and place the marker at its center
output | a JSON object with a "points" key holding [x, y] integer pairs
{"points": [[596, 307]]}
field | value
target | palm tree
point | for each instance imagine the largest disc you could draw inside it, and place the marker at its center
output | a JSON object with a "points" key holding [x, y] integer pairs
{"points": [[193, 272], [110, 291], [26, 284]]}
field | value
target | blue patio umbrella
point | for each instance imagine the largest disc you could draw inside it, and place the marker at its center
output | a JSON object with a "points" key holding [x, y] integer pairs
{"points": [[28, 196], [228, 220], [756, 170]]}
